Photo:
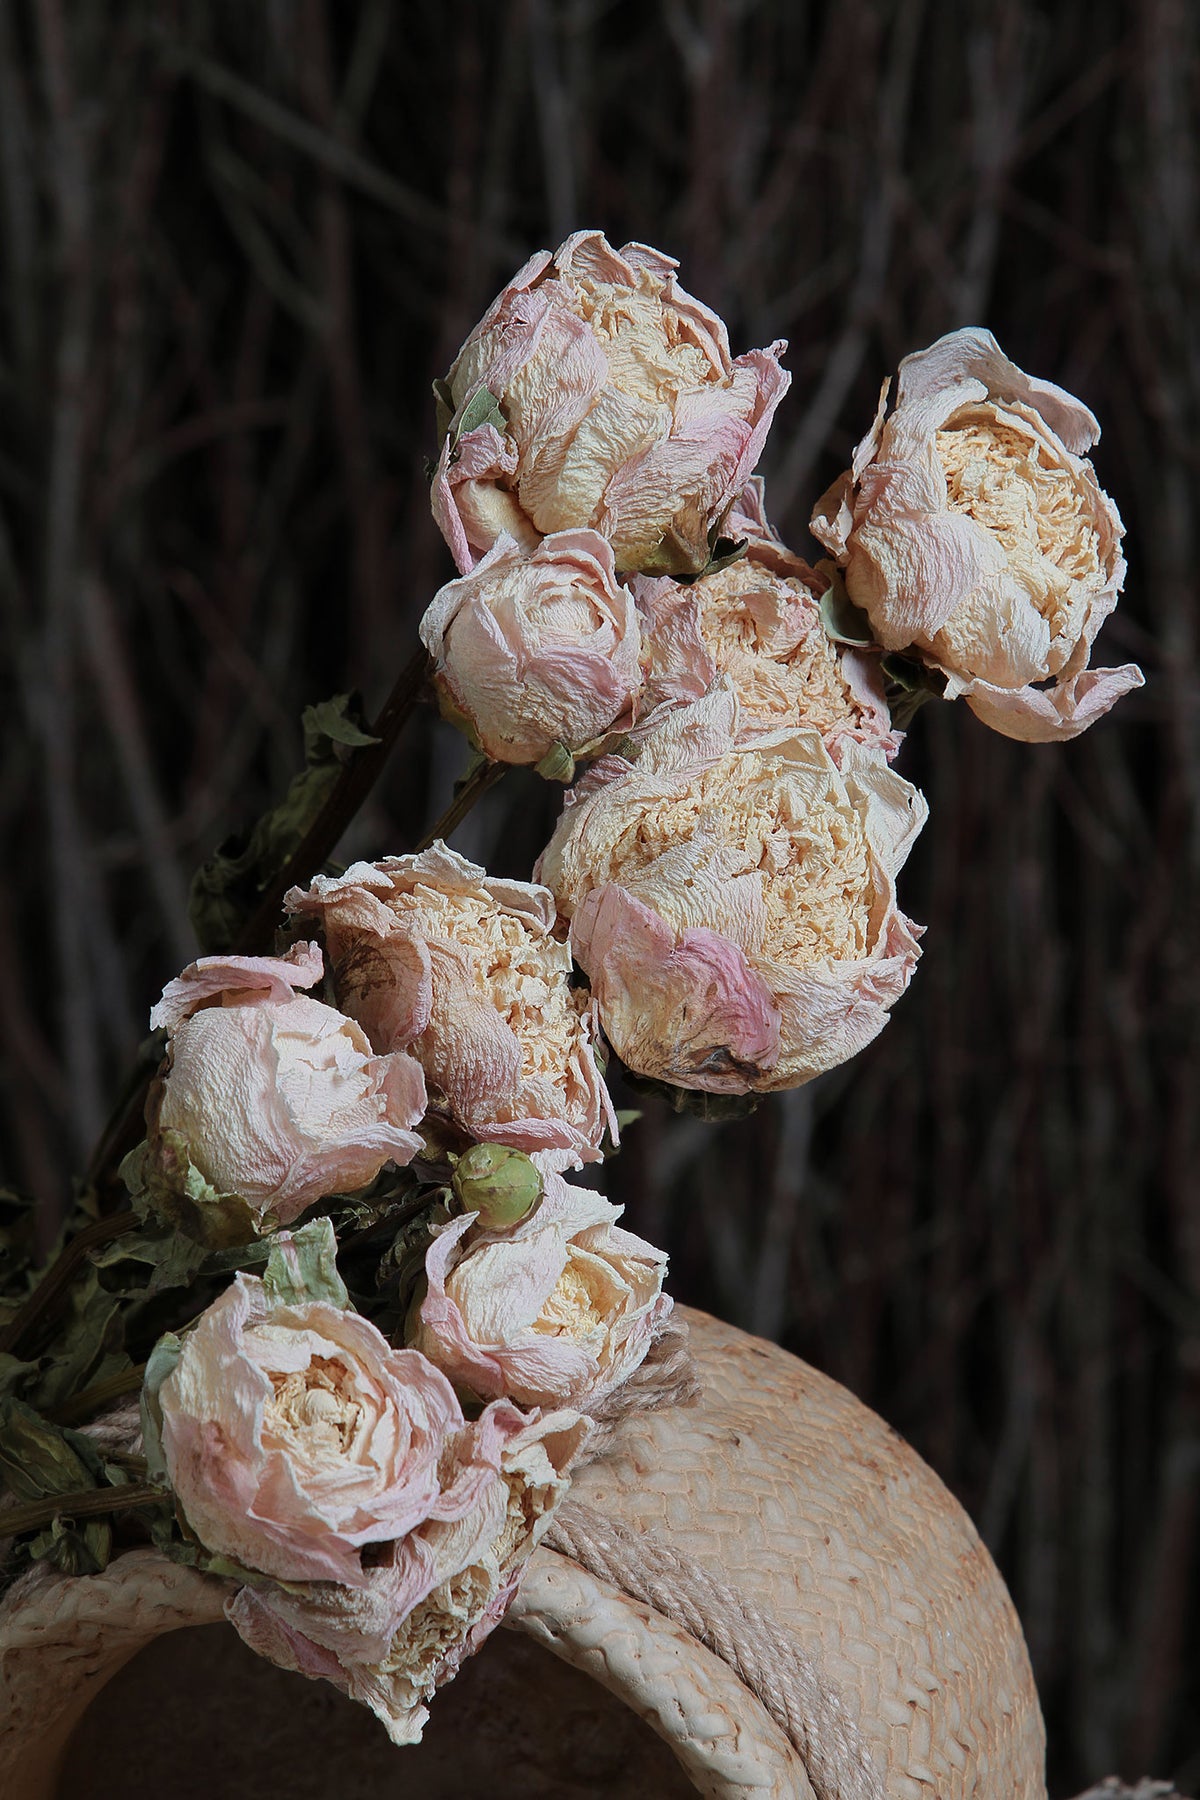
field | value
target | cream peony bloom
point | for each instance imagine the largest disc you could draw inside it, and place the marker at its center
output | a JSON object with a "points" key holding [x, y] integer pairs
{"points": [[390, 1652], [433, 955], [617, 406], [536, 649], [973, 533], [757, 621], [559, 1311], [733, 901], [293, 1435], [269, 1097]]}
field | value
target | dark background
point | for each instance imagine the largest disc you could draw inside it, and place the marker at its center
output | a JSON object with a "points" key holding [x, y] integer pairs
{"points": [[239, 241]]}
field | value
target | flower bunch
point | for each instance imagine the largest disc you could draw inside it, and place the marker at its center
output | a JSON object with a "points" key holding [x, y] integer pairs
{"points": [[398, 1310]]}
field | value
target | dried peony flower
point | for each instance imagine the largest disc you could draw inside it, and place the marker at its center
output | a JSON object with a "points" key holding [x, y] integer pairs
{"points": [[974, 534], [594, 392], [431, 954], [293, 1434], [560, 1311], [757, 621], [733, 901], [269, 1100], [376, 1643], [536, 649]]}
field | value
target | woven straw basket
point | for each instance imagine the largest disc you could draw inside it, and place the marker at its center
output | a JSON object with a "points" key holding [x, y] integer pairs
{"points": [[770, 1578]]}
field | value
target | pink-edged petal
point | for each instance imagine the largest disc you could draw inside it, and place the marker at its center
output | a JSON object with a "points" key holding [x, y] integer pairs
{"points": [[685, 1006], [240, 980], [1051, 715]]}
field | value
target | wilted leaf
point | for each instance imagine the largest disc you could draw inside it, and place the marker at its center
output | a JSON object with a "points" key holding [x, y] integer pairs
{"points": [[304, 1267], [88, 1346], [161, 1363], [164, 1183], [226, 889], [482, 408], [908, 684], [844, 622], [712, 1108]]}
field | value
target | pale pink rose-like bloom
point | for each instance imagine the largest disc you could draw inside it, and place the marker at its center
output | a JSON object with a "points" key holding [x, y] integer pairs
{"points": [[433, 955], [973, 533], [430, 1601], [293, 1435], [757, 621], [558, 1312], [733, 899], [622, 411], [538, 648], [278, 1098]]}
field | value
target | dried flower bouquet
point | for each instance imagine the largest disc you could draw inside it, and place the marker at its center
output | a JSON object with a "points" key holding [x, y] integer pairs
{"points": [[368, 1312]]}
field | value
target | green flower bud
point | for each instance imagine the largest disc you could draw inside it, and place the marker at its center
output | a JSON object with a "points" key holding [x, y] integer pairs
{"points": [[502, 1185]]}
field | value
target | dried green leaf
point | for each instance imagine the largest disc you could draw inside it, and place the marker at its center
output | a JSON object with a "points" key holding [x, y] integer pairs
{"points": [[88, 1346], [161, 1363], [165, 1184], [226, 889], [482, 408], [304, 1267], [712, 1108], [908, 684], [38, 1458], [150, 1260], [844, 622], [75, 1549]]}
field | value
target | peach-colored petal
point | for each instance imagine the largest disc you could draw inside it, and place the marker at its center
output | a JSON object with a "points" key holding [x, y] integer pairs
{"points": [[560, 1310], [973, 533], [1050, 715], [536, 650], [688, 1006], [623, 411], [237, 980], [433, 955]]}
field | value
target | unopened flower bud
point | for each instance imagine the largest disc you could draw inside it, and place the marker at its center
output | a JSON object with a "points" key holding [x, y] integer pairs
{"points": [[502, 1185]]}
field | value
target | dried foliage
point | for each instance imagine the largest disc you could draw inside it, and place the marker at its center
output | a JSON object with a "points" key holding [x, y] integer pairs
{"points": [[239, 242]]}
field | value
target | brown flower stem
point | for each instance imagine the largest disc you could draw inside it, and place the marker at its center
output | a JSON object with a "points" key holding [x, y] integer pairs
{"points": [[472, 787], [91, 1399], [51, 1291], [359, 775], [84, 1503]]}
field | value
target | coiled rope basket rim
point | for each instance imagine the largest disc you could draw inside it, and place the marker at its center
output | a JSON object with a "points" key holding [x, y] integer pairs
{"points": [[769, 1576]]}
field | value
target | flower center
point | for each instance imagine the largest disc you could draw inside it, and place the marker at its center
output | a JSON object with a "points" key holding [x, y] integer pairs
{"points": [[1009, 479], [572, 1309], [764, 632], [791, 829], [520, 974], [651, 351], [311, 1410]]}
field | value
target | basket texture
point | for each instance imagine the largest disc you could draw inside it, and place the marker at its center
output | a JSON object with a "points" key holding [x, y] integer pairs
{"points": [[770, 1577]]}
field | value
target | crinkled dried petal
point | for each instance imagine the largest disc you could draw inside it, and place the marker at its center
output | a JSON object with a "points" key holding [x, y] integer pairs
{"points": [[536, 649], [268, 1096], [293, 1435], [732, 899], [432, 954], [974, 534], [623, 409], [559, 1311], [237, 981]]}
